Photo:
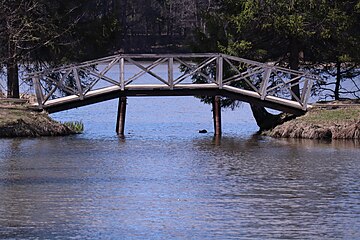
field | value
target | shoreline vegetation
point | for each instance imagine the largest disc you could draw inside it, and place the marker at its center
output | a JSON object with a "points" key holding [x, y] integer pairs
{"points": [[17, 120], [325, 121]]}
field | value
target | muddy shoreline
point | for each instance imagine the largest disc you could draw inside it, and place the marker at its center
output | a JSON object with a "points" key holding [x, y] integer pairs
{"points": [[323, 121], [17, 120]]}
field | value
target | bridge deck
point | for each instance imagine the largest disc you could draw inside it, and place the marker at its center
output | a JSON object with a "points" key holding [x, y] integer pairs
{"points": [[94, 96]]}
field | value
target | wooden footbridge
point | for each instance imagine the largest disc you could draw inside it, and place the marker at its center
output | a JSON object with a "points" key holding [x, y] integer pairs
{"points": [[126, 75]]}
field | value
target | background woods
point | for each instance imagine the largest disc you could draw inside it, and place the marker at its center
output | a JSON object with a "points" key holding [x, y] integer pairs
{"points": [[321, 36]]}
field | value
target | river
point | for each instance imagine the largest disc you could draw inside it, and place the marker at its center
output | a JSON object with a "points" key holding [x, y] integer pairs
{"points": [[165, 180]]}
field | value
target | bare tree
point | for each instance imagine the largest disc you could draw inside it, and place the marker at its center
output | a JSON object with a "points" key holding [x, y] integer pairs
{"points": [[27, 26], [340, 81]]}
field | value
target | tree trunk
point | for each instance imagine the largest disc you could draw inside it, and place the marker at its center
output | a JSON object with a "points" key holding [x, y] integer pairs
{"points": [[294, 62], [12, 73], [338, 81], [12, 80], [266, 120]]}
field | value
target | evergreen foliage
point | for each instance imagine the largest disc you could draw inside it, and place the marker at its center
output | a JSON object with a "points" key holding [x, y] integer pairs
{"points": [[322, 36]]}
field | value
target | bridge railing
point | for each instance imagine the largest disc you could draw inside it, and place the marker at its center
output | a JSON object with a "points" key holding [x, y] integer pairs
{"points": [[173, 71], [25, 88]]}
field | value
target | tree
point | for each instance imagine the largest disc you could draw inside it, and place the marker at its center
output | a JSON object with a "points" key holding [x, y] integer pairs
{"points": [[319, 35], [29, 28], [288, 33], [337, 51]]}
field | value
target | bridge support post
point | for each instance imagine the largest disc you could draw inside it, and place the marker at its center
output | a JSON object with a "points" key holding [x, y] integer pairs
{"points": [[120, 123], [216, 108]]}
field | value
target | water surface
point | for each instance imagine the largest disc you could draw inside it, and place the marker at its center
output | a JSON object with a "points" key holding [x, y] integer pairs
{"points": [[167, 181]]}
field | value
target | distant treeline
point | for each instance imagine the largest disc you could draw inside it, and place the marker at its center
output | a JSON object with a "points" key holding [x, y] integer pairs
{"points": [[320, 36], [40, 33], [147, 25]]}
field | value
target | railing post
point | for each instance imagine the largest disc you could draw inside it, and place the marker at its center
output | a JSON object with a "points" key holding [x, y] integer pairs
{"points": [[38, 92], [219, 71], [306, 93], [304, 90], [78, 83], [171, 73], [122, 74], [265, 82]]}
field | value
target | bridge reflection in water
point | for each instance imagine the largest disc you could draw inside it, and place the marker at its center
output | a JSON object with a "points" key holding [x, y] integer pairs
{"points": [[216, 75]]}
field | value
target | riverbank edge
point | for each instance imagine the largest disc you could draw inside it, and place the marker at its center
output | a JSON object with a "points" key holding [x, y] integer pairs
{"points": [[21, 121], [323, 122]]}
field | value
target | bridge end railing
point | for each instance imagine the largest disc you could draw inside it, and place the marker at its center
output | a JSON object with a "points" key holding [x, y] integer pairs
{"points": [[266, 80]]}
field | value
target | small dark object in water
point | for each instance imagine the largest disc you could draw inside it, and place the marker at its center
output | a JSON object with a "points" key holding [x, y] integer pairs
{"points": [[203, 131]]}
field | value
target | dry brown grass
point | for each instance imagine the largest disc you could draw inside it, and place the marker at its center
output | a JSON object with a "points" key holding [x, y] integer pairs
{"points": [[19, 121], [341, 123]]}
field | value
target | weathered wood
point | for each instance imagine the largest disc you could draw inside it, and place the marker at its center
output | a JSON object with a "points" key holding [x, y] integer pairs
{"points": [[146, 70], [120, 123], [219, 71], [200, 66], [171, 73], [78, 84], [122, 74], [38, 91], [50, 93], [139, 74], [188, 65], [99, 95], [307, 91], [197, 65], [216, 108], [265, 82]]}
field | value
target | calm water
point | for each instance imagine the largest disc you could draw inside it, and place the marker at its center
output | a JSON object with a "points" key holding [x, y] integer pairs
{"points": [[167, 181]]}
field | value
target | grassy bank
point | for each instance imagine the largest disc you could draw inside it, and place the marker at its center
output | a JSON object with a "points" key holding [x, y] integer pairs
{"points": [[19, 121], [322, 123]]}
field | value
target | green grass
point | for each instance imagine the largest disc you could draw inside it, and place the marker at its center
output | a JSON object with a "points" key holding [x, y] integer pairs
{"points": [[333, 116], [76, 126]]}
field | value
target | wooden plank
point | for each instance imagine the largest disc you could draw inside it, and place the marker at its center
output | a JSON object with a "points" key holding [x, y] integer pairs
{"points": [[78, 84], [38, 92], [154, 87], [219, 71], [242, 91], [265, 82], [146, 70], [142, 72], [199, 67], [307, 90], [171, 72], [188, 65], [61, 106], [277, 100], [104, 91]]}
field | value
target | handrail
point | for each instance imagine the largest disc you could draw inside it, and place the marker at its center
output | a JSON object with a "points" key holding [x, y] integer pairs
{"points": [[263, 78]]}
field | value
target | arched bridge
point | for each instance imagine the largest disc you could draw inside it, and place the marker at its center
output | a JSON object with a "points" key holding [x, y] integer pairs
{"points": [[210, 74]]}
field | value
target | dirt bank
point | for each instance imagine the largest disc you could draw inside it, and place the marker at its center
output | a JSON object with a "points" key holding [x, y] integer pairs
{"points": [[335, 121], [19, 121]]}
